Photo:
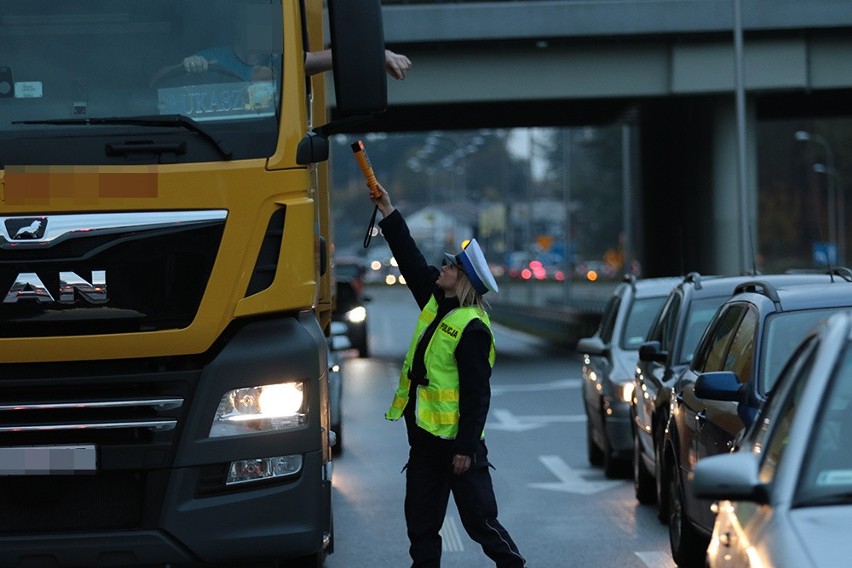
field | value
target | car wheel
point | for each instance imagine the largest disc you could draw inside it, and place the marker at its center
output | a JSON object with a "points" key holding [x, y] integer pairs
{"points": [[687, 545], [361, 346], [613, 467], [337, 448], [644, 484], [596, 456], [316, 560], [662, 484]]}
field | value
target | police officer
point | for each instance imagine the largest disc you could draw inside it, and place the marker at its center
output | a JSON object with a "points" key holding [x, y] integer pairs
{"points": [[444, 395]]}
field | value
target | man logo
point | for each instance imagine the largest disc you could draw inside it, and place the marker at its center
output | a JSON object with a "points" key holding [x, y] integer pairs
{"points": [[29, 287], [21, 229]]}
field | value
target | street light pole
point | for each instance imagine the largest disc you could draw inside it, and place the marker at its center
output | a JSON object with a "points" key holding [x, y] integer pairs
{"points": [[831, 180], [742, 187], [832, 206]]}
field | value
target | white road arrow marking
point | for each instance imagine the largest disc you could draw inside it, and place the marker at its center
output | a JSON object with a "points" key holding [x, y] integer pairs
{"points": [[570, 480], [503, 420], [535, 387]]}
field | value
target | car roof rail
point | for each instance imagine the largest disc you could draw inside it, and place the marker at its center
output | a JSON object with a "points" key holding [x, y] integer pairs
{"points": [[630, 279], [758, 287], [695, 278], [843, 272]]}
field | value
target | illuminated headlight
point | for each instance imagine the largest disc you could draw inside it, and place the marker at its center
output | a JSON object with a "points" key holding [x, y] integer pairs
{"points": [[624, 392], [264, 408], [245, 471], [356, 315]]}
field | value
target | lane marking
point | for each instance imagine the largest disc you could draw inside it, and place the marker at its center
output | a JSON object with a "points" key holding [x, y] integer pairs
{"points": [[570, 480], [451, 540], [536, 387], [503, 419]]}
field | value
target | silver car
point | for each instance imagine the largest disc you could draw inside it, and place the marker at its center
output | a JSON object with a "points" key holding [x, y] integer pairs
{"points": [[609, 361], [786, 493]]}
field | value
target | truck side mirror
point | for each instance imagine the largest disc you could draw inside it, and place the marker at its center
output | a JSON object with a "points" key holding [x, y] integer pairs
{"points": [[358, 56]]}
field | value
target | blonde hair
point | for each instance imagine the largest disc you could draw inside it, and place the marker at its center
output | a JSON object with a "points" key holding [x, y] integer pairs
{"points": [[467, 294]]}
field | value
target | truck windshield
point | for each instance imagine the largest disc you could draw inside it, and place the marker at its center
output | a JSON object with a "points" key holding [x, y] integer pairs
{"points": [[100, 72]]}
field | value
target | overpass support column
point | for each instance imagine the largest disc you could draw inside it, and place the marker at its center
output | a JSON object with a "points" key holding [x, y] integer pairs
{"points": [[690, 201], [727, 227]]}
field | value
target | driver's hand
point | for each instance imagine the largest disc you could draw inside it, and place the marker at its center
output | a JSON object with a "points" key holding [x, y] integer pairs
{"points": [[195, 64]]}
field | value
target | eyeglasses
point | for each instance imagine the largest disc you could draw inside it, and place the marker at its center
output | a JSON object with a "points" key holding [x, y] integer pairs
{"points": [[446, 262]]}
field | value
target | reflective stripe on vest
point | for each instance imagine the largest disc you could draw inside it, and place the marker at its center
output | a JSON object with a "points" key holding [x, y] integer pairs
{"points": [[437, 408]]}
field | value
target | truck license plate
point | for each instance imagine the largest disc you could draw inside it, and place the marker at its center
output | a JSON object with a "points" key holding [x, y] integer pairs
{"points": [[48, 460]]}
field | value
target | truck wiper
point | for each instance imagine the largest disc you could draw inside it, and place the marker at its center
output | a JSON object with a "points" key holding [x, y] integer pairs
{"points": [[178, 120]]}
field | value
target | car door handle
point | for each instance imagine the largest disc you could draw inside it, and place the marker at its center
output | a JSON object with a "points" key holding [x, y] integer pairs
{"points": [[701, 417]]}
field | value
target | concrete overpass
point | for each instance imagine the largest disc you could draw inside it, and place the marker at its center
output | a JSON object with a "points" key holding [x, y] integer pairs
{"points": [[667, 68]]}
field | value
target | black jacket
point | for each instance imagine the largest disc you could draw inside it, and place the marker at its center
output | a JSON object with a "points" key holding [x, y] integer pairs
{"points": [[471, 352]]}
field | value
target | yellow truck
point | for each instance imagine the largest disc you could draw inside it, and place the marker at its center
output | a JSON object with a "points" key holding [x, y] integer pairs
{"points": [[164, 277]]}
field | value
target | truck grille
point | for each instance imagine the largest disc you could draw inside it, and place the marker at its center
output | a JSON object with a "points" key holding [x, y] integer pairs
{"points": [[96, 274]]}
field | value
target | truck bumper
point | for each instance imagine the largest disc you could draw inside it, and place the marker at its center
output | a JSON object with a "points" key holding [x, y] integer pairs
{"points": [[274, 522]]}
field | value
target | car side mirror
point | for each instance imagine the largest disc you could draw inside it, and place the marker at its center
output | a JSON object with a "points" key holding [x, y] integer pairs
{"points": [[730, 476], [719, 385], [592, 346], [650, 352]]}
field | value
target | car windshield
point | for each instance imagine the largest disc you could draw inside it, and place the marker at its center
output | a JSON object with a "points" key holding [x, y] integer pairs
{"points": [[91, 69], [700, 313], [827, 473], [783, 332], [639, 320]]}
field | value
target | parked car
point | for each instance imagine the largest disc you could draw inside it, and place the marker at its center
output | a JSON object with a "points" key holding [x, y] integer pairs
{"points": [[786, 493], [338, 342], [609, 357], [667, 351], [350, 302], [748, 342]]}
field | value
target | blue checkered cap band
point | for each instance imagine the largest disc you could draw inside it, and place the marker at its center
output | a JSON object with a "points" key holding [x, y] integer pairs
{"points": [[476, 268]]}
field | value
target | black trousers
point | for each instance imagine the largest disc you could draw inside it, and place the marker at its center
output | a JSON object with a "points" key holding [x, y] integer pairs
{"points": [[429, 481]]}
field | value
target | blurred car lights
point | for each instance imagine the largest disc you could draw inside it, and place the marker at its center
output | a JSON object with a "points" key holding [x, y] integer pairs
{"points": [[356, 315]]}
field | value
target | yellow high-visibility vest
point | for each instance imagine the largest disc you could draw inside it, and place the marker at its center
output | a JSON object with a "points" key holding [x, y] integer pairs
{"points": [[437, 407]]}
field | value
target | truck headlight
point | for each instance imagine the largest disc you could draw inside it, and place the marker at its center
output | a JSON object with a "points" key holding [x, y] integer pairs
{"points": [[356, 315], [263, 408]]}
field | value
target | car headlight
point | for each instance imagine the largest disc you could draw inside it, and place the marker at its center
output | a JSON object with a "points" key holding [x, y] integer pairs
{"points": [[263, 408], [624, 392], [356, 315]]}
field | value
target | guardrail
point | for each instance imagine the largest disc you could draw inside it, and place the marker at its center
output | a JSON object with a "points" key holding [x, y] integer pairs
{"points": [[560, 312]]}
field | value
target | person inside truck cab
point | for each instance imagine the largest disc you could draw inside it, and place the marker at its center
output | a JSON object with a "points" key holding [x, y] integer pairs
{"points": [[255, 67]]}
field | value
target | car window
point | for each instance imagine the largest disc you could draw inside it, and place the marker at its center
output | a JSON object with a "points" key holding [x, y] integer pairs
{"points": [[740, 355], [795, 371], [608, 318], [639, 319], [663, 328], [782, 422], [784, 331], [715, 346], [697, 320], [827, 475]]}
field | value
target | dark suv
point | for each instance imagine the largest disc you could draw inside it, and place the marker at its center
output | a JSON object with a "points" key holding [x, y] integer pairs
{"points": [[668, 350], [350, 302], [746, 343], [609, 357]]}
